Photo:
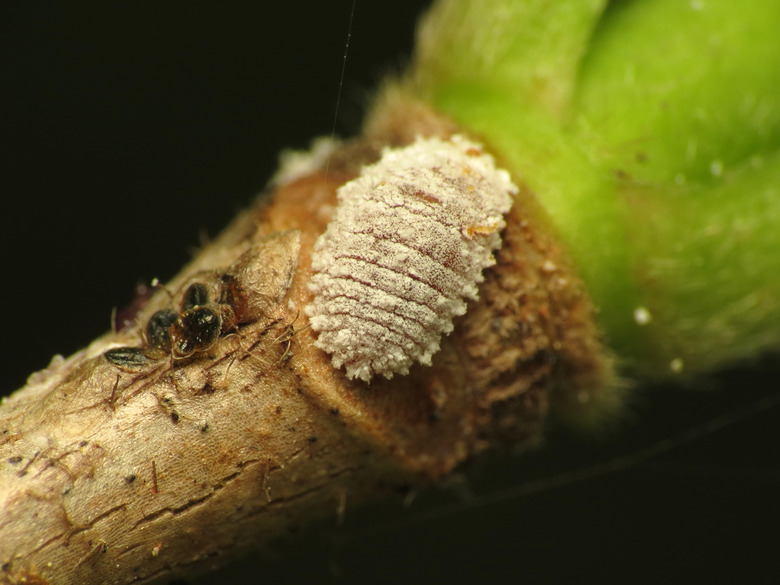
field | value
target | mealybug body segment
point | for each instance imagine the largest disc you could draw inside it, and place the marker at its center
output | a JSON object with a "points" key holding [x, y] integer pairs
{"points": [[404, 251]]}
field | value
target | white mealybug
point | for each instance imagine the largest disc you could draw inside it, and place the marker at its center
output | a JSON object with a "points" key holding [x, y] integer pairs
{"points": [[404, 251]]}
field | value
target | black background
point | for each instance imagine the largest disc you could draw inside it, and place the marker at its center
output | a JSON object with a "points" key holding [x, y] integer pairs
{"points": [[128, 129]]}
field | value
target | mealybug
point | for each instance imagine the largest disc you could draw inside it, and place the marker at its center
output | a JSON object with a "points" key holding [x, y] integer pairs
{"points": [[404, 251]]}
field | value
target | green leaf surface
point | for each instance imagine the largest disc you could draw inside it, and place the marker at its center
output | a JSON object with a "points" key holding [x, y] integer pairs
{"points": [[650, 132]]}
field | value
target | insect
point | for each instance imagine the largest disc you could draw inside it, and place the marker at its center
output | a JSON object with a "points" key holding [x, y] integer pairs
{"points": [[195, 328], [200, 322], [158, 329], [196, 295], [127, 357], [405, 249]]}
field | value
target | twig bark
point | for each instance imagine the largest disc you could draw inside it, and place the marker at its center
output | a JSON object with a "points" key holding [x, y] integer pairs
{"points": [[146, 463]]}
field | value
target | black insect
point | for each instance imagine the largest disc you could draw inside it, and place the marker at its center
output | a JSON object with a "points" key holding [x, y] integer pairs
{"points": [[196, 295], [195, 330], [200, 322], [158, 329], [127, 357]]}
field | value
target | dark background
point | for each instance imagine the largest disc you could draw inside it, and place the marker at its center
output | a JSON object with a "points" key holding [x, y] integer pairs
{"points": [[128, 129]]}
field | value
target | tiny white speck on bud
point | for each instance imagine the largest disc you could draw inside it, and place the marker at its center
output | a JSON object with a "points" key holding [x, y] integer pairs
{"points": [[676, 365], [406, 248], [642, 316], [716, 168]]}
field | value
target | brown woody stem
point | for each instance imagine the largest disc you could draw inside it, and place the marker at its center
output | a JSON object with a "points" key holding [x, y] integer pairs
{"points": [[156, 467]]}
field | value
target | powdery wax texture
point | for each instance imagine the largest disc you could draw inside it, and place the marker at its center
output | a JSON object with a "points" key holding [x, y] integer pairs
{"points": [[405, 250]]}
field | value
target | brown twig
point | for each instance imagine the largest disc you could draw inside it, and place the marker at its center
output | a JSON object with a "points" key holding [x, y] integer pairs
{"points": [[245, 448]]}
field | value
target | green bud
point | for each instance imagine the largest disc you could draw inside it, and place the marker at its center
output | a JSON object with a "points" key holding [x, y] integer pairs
{"points": [[649, 131]]}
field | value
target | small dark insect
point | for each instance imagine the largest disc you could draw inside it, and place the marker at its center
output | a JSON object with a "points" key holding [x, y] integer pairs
{"points": [[158, 329], [196, 295], [195, 330], [127, 357]]}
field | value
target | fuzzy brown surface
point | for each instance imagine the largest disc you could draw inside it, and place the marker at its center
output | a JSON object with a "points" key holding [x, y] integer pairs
{"points": [[114, 474]]}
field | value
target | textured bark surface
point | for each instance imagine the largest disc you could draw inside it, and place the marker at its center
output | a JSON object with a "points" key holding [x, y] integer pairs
{"points": [[150, 469]]}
